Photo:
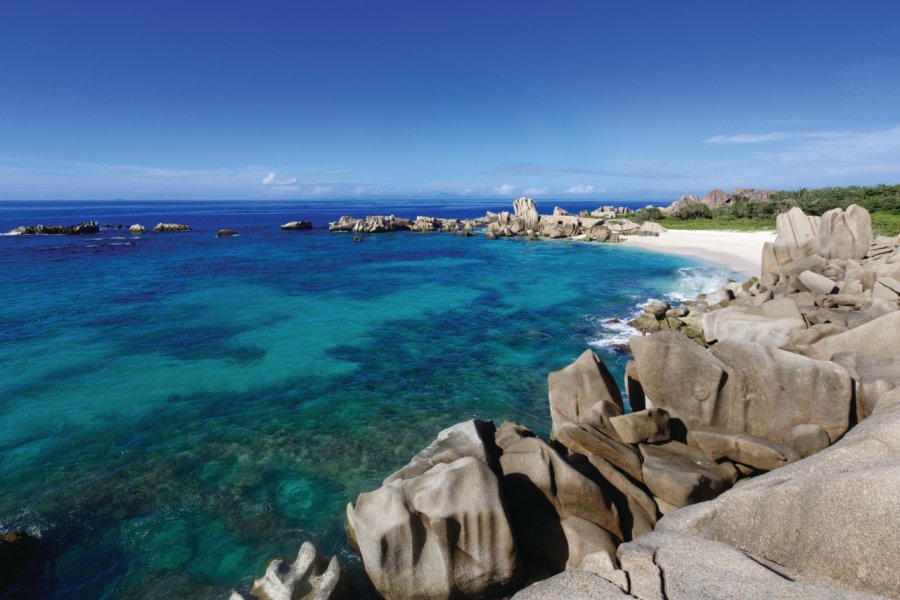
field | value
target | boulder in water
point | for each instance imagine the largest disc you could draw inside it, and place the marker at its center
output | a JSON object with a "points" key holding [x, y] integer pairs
{"points": [[165, 227], [297, 225], [137, 229]]}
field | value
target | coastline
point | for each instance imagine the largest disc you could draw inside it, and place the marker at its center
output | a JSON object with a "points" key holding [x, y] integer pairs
{"points": [[738, 250]]}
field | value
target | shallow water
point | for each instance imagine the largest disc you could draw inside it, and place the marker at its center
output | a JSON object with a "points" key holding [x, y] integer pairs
{"points": [[176, 409]]}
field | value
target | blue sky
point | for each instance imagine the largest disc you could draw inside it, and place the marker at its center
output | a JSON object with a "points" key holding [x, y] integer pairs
{"points": [[333, 99]]}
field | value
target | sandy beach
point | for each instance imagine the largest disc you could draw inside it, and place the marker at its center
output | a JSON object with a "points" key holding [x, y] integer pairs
{"points": [[739, 250]]}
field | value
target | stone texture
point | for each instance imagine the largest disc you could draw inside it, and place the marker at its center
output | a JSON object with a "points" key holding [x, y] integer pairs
{"points": [[577, 387], [831, 517], [558, 514], [877, 338], [311, 575], [843, 234], [795, 229], [771, 324], [163, 227], [297, 225], [651, 425], [817, 284], [681, 477], [443, 533], [526, 209], [744, 448], [572, 585], [470, 438], [137, 229]]}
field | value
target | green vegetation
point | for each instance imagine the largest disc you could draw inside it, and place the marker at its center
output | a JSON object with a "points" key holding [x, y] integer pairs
{"points": [[742, 214]]}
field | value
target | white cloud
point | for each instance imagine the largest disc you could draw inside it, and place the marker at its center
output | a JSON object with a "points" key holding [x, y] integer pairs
{"points": [[774, 136], [467, 191], [272, 180], [581, 188], [320, 189], [534, 191], [506, 188]]}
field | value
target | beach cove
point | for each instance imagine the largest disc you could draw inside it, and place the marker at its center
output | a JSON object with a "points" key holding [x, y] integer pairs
{"points": [[180, 446]]}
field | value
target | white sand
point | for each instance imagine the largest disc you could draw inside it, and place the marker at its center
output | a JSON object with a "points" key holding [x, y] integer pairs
{"points": [[738, 250]]}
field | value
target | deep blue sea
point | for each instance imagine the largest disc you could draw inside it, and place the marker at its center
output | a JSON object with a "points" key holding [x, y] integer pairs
{"points": [[177, 409]]}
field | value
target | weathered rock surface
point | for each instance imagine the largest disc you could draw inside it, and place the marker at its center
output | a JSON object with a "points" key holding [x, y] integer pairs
{"points": [[443, 533], [682, 475], [165, 227], [226, 233], [312, 575], [877, 338], [831, 517], [470, 438], [526, 209], [297, 225], [575, 389], [743, 387], [77, 229], [558, 515], [137, 229]]}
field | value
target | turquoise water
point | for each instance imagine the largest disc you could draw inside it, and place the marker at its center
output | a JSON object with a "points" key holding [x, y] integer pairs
{"points": [[177, 409]]}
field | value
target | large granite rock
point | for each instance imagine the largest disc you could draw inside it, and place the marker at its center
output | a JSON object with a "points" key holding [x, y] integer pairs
{"points": [[136, 229], [829, 519], [795, 230], [77, 229], [470, 438], [743, 387], [716, 199], [441, 534], [312, 575], [165, 227], [682, 475], [771, 324], [843, 234], [575, 390], [297, 225], [558, 514], [878, 339], [526, 209]]}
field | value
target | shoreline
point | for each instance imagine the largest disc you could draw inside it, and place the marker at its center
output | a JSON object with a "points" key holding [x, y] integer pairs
{"points": [[738, 250]]}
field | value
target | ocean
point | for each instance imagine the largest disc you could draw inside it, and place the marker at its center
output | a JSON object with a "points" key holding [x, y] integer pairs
{"points": [[177, 409]]}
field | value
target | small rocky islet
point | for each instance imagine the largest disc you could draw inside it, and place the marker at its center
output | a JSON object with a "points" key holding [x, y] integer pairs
{"points": [[759, 457]]}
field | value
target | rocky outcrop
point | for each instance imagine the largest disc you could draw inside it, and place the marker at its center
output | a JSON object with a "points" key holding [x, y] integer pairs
{"points": [[526, 210], [371, 224], [441, 532], [312, 575], [80, 228], [226, 233], [298, 225], [165, 227], [137, 229], [716, 199], [21, 565], [682, 203]]}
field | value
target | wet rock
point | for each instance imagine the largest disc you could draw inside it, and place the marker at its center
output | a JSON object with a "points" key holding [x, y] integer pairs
{"points": [[298, 225], [165, 227], [137, 229], [226, 233], [77, 229], [21, 565]]}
